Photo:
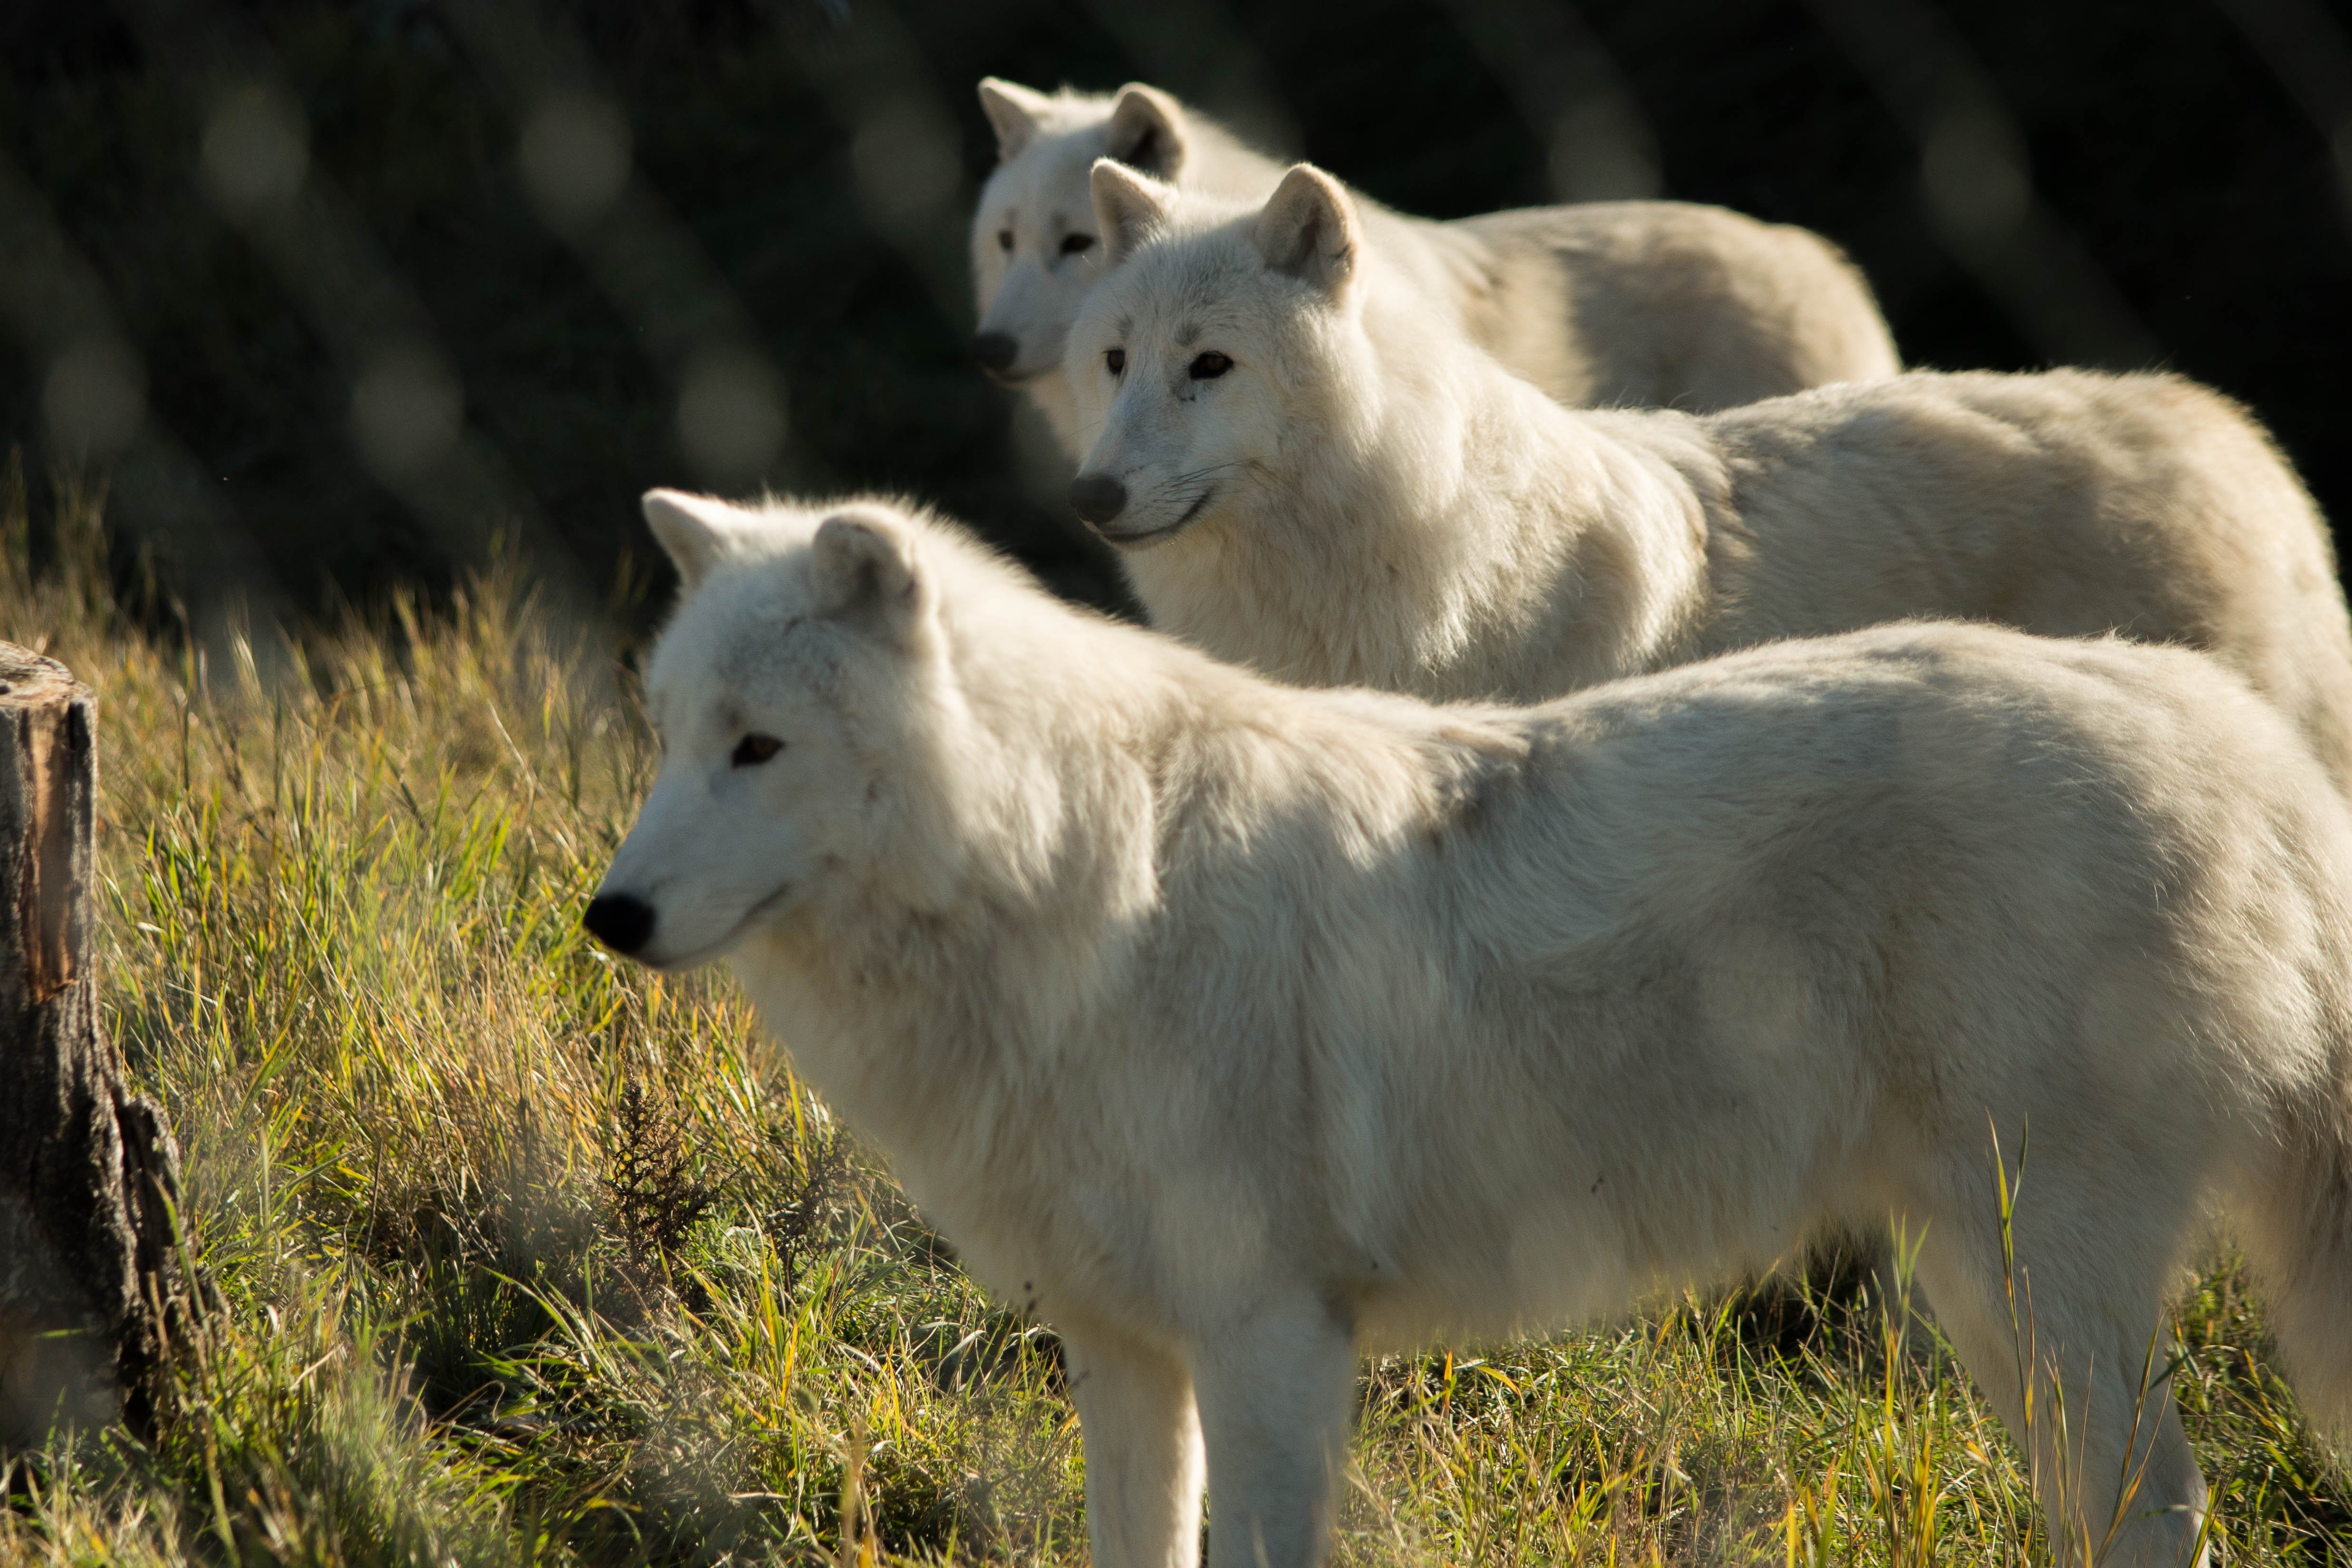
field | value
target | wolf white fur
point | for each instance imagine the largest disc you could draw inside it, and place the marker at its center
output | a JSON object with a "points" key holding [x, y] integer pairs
{"points": [[1355, 494], [1236, 1026], [1664, 303]]}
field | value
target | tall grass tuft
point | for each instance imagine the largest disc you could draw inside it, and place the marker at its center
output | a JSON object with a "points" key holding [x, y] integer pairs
{"points": [[533, 1258]]}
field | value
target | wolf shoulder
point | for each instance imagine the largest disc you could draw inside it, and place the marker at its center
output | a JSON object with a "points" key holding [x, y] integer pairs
{"points": [[1899, 745], [1669, 304], [2075, 502]]}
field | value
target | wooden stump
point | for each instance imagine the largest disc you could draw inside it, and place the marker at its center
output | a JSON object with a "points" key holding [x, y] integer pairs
{"points": [[90, 1294]]}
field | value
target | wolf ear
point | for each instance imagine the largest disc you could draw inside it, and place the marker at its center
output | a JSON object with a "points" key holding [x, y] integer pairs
{"points": [[1128, 207], [1147, 132], [697, 531], [1015, 110], [1308, 229], [864, 567]]}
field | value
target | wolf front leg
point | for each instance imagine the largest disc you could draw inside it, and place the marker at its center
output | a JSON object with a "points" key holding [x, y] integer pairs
{"points": [[1143, 1450], [2118, 1482], [1275, 1391]]}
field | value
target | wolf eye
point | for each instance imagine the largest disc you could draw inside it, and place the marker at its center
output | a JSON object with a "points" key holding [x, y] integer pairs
{"points": [[1004, 239], [754, 749], [1117, 359], [1208, 367], [1072, 244]]}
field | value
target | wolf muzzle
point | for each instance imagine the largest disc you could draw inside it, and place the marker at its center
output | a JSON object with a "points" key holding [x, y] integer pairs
{"points": [[1097, 497], [619, 920], [996, 351]]}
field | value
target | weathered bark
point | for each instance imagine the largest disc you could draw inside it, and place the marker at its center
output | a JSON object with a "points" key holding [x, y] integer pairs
{"points": [[90, 1294]]}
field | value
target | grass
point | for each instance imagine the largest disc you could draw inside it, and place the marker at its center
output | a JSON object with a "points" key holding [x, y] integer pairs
{"points": [[531, 1257]]}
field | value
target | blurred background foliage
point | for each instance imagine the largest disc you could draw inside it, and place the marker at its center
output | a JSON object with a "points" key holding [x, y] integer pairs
{"points": [[331, 293]]}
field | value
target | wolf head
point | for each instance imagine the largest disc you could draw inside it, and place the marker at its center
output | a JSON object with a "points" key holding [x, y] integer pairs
{"points": [[1227, 340], [801, 696], [1036, 251]]}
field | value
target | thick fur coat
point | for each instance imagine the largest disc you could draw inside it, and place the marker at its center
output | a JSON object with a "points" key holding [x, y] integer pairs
{"points": [[1310, 472], [1669, 304], [1234, 1026]]}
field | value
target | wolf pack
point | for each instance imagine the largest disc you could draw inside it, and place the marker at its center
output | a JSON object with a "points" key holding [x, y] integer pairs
{"points": [[1621, 780]]}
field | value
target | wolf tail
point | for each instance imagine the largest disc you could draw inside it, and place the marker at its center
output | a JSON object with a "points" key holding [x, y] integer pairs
{"points": [[2300, 1245]]}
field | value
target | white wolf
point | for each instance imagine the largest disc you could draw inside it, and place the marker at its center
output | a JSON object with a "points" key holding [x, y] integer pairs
{"points": [[1312, 473], [1234, 1026], [1668, 303]]}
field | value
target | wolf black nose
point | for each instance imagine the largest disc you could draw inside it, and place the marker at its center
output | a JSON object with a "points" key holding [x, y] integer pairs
{"points": [[619, 921], [995, 350], [1097, 496]]}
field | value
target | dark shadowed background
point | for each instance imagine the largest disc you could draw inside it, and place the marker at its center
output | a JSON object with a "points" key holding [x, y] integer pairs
{"points": [[330, 295]]}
